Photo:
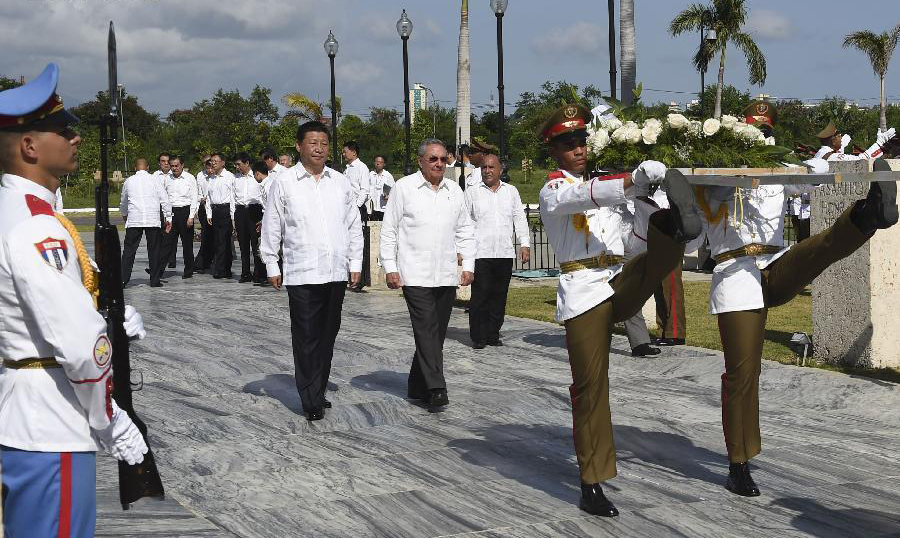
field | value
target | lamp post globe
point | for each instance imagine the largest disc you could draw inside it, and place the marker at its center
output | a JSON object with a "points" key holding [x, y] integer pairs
{"points": [[331, 49], [499, 6], [404, 26]]}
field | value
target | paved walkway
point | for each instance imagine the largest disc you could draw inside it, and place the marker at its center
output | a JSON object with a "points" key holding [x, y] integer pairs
{"points": [[239, 458]]}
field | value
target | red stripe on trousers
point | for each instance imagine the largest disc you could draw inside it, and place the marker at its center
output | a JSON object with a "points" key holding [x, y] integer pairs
{"points": [[65, 495]]}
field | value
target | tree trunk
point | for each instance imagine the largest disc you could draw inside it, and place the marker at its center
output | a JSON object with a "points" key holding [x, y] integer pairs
{"points": [[882, 122], [717, 113], [626, 43], [463, 79]]}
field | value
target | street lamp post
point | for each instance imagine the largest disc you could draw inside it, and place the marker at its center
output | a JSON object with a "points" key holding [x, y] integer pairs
{"points": [[707, 38], [331, 49], [499, 8], [124, 145], [404, 28]]}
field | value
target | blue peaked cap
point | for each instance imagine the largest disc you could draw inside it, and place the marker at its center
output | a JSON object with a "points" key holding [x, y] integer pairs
{"points": [[34, 102]]}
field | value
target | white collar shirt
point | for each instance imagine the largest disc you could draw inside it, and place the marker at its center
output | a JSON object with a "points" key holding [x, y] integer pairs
{"points": [[182, 191], [358, 174], [757, 216], [220, 191], [474, 178], [46, 312], [265, 187], [202, 185], [581, 221], [317, 226], [142, 197], [423, 231], [247, 191], [499, 219], [277, 169], [381, 185]]}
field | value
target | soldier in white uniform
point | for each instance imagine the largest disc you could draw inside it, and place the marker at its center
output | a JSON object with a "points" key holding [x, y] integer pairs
{"points": [[833, 145], [595, 289], [56, 406], [754, 272]]}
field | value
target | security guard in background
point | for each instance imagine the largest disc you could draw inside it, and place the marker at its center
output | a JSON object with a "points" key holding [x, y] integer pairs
{"points": [[596, 289], [56, 404]]}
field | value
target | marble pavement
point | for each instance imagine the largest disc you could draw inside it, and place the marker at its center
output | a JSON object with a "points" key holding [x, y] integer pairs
{"points": [[239, 459]]}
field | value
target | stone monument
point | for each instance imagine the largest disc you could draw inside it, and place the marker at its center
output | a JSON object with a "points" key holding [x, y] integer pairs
{"points": [[855, 320]]}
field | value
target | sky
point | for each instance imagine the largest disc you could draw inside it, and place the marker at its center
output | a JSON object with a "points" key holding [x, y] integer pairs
{"points": [[173, 53]]}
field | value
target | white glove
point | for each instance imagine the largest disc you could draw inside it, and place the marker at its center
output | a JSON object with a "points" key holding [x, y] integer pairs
{"points": [[883, 136], [134, 323], [646, 173], [122, 438], [817, 166], [845, 141]]}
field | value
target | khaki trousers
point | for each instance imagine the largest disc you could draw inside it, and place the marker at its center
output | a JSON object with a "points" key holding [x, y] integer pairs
{"points": [[743, 332], [588, 339], [669, 298]]}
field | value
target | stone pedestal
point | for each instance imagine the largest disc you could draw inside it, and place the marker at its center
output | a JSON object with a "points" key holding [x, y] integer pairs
{"points": [[855, 300], [376, 271]]}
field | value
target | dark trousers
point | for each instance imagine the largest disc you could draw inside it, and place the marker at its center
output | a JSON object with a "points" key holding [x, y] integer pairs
{"points": [[801, 228], [132, 241], [206, 252], [429, 312], [315, 322], [180, 229], [245, 219], [488, 304], [669, 296], [221, 217], [377, 215]]}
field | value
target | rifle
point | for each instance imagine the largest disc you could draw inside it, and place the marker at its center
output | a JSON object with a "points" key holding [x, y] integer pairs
{"points": [[141, 480]]}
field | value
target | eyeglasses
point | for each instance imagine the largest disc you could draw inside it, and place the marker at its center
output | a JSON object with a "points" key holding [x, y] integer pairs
{"points": [[435, 158]]}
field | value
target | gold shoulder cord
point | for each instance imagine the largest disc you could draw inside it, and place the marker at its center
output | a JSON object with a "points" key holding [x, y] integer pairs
{"points": [[88, 278]]}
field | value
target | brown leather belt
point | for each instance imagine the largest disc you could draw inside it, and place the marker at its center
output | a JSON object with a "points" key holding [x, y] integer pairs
{"points": [[596, 262], [32, 364], [753, 249]]}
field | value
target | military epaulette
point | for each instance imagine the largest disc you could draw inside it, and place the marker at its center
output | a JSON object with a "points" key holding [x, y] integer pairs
{"points": [[38, 206], [556, 174]]}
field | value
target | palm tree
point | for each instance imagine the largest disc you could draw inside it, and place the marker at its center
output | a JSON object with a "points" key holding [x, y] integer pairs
{"points": [[307, 108], [879, 48], [463, 79], [626, 42], [727, 18]]}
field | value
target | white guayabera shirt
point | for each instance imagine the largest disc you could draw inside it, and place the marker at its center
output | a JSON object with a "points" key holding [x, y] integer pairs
{"points": [[182, 191], [358, 174], [423, 231], [142, 197], [381, 185], [499, 220], [315, 223], [220, 190]]}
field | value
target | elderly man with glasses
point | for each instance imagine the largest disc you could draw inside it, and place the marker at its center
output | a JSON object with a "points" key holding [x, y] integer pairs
{"points": [[425, 227]]}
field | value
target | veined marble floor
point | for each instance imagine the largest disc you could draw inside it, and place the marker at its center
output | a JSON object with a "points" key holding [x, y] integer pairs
{"points": [[241, 460]]}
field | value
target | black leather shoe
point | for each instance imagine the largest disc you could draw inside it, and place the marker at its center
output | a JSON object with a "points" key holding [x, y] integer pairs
{"points": [[879, 210], [245, 278], [644, 350], [200, 271], [218, 276], [496, 342], [669, 341], [740, 482], [184, 277], [326, 404], [172, 265], [316, 413], [438, 400], [594, 502], [478, 345], [147, 270], [259, 280], [413, 395], [684, 209], [156, 284]]}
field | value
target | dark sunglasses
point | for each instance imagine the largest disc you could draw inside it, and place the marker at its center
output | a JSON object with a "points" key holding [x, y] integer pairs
{"points": [[435, 158]]}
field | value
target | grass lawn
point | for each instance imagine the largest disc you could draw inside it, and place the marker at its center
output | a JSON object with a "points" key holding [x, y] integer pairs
{"points": [[530, 189], [539, 302]]}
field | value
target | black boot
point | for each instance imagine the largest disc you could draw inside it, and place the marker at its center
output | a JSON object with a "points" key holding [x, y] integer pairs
{"points": [[644, 350], [879, 209], [594, 502], [685, 217], [740, 482]]}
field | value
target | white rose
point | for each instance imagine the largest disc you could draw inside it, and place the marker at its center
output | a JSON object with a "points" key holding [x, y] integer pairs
{"points": [[695, 127], [633, 134], [770, 141], [677, 121], [651, 130], [610, 124], [711, 126], [653, 123], [729, 122], [597, 141]]}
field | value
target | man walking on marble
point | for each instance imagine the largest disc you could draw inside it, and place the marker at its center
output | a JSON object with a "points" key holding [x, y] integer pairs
{"points": [[425, 227], [596, 289], [312, 216]]}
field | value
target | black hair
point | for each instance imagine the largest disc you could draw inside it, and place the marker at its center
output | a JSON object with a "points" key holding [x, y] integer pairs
{"points": [[174, 157], [379, 155], [217, 154], [260, 166], [163, 154], [352, 146], [312, 127], [267, 154], [241, 156]]}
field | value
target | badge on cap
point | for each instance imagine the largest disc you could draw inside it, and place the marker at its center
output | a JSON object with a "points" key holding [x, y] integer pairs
{"points": [[55, 252]]}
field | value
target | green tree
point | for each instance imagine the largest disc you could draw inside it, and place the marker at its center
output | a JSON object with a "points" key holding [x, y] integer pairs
{"points": [[7, 83], [734, 101], [727, 18], [879, 48]]}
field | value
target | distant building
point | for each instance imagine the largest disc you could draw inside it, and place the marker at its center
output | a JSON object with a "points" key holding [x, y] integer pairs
{"points": [[418, 100]]}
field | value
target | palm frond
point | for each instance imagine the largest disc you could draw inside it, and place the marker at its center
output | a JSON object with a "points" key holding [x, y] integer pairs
{"points": [[689, 20], [756, 62], [872, 45], [303, 105]]}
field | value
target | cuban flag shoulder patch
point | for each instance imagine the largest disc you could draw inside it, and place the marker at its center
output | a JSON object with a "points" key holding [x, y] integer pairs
{"points": [[55, 252]]}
